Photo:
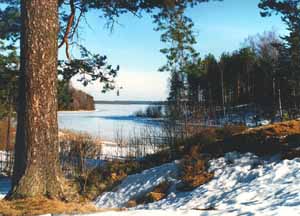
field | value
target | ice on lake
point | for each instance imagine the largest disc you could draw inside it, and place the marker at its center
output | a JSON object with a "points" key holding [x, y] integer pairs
{"points": [[106, 120]]}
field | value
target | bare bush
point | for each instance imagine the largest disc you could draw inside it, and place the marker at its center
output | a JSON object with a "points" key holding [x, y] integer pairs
{"points": [[80, 154]]}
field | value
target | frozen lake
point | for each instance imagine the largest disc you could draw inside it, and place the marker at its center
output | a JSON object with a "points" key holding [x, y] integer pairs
{"points": [[107, 120]]}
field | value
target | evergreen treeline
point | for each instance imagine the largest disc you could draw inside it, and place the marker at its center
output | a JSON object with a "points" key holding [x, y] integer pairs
{"points": [[264, 72], [258, 73]]}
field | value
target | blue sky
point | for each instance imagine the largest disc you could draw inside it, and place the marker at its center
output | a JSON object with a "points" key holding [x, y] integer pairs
{"points": [[134, 45]]}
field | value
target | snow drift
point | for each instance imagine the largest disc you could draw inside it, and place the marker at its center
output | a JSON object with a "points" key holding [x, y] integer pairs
{"points": [[135, 186], [243, 184]]}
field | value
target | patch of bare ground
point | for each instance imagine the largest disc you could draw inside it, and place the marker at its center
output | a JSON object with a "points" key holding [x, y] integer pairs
{"points": [[41, 205]]}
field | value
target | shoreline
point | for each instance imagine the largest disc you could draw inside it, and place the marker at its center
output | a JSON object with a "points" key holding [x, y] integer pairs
{"points": [[76, 111]]}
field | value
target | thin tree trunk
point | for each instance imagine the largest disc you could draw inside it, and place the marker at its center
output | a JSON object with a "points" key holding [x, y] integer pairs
{"points": [[222, 91], [279, 104], [36, 169], [8, 130], [8, 133], [238, 89]]}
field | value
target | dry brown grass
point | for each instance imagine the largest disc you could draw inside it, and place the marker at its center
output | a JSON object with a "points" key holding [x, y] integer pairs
{"points": [[38, 206], [207, 139], [264, 140], [214, 133], [277, 129], [103, 179], [77, 137]]}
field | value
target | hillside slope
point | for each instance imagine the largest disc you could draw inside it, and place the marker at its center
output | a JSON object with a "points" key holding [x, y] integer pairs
{"points": [[243, 184]]}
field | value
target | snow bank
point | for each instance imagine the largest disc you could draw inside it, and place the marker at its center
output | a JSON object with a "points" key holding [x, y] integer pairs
{"points": [[135, 186], [243, 184]]}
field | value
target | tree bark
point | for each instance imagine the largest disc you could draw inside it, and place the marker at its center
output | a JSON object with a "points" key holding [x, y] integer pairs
{"points": [[36, 168]]}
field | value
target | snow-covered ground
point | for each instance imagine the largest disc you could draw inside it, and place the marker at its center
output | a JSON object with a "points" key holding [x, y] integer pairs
{"points": [[112, 150], [244, 184], [248, 119], [135, 186]]}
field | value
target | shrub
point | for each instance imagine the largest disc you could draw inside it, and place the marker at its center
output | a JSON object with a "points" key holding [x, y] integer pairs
{"points": [[204, 137], [105, 178], [194, 172], [75, 150]]}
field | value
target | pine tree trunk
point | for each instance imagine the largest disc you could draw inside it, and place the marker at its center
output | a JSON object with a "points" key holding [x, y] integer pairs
{"points": [[36, 169]]}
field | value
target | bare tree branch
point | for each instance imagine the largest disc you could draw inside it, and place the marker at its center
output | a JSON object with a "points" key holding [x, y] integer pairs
{"points": [[68, 29], [77, 23]]}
